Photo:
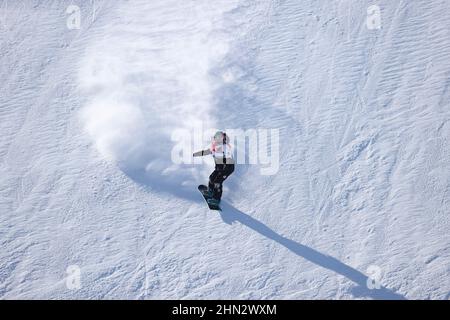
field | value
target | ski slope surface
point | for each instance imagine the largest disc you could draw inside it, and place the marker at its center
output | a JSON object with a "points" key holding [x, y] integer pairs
{"points": [[93, 95]]}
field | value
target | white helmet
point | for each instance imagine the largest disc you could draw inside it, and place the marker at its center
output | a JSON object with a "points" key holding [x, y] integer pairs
{"points": [[221, 137]]}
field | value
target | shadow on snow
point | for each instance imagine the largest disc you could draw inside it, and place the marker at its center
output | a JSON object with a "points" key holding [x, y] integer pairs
{"points": [[231, 214]]}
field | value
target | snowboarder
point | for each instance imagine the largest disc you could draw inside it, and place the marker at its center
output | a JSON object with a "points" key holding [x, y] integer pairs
{"points": [[223, 157]]}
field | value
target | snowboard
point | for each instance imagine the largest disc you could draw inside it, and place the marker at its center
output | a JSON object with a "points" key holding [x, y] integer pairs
{"points": [[203, 190]]}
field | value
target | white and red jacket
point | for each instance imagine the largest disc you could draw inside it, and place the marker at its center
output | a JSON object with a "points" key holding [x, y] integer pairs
{"points": [[222, 153]]}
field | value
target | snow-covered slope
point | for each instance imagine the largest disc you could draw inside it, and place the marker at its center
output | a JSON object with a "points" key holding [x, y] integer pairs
{"points": [[87, 119]]}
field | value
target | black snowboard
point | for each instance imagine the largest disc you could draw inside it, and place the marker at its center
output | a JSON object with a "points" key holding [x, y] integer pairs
{"points": [[203, 190]]}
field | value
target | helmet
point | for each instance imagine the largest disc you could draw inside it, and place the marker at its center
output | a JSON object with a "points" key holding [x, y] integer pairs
{"points": [[220, 137]]}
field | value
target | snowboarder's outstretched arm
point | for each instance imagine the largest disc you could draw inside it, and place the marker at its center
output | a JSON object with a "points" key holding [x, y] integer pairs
{"points": [[202, 153]]}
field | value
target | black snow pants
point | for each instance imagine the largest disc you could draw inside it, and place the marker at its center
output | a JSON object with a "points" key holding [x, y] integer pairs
{"points": [[218, 176]]}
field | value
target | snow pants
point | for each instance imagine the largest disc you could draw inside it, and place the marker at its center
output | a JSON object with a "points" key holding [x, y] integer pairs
{"points": [[216, 179]]}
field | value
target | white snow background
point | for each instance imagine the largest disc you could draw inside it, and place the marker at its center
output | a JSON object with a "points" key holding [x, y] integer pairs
{"points": [[362, 194]]}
